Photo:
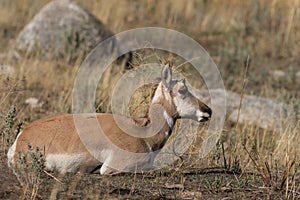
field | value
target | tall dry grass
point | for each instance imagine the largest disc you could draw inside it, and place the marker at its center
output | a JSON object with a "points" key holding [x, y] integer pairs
{"points": [[267, 31]]}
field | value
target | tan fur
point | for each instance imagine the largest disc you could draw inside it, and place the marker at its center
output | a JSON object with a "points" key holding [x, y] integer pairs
{"points": [[58, 139]]}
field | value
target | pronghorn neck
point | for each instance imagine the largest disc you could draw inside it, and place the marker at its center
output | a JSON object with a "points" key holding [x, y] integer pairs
{"points": [[164, 99]]}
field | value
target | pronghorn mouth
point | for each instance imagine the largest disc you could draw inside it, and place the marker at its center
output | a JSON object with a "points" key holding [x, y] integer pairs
{"points": [[203, 116], [204, 119]]}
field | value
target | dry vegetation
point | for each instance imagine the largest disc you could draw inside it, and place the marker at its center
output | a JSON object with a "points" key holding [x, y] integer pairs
{"points": [[247, 163]]}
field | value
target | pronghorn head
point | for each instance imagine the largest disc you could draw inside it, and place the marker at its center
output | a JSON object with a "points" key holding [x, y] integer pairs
{"points": [[177, 100]]}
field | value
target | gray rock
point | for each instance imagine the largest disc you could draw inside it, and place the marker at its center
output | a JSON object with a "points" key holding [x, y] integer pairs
{"points": [[298, 76], [61, 30], [6, 70], [262, 112], [34, 102], [278, 74]]}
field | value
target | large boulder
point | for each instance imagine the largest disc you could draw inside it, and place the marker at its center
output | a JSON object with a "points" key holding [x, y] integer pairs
{"points": [[261, 112], [61, 30]]}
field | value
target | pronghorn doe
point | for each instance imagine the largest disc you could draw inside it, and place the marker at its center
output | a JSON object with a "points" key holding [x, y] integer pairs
{"points": [[63, 150]]}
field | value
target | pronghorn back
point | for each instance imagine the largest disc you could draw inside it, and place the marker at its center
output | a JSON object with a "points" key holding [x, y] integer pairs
{"points": [[57, 136]]}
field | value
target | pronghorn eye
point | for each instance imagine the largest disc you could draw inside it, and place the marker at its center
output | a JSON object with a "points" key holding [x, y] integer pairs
{"points": [[182, 90]]}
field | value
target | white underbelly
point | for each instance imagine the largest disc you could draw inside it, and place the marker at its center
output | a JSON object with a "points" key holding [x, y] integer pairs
{"points": [[69, 162]]}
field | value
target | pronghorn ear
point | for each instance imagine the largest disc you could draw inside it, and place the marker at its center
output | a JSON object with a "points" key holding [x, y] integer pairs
{"points": [[183, 81], [166, 77]]}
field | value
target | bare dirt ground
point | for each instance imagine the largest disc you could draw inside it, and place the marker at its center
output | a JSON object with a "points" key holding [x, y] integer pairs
{"points": [[9, 186], [164, 184]]}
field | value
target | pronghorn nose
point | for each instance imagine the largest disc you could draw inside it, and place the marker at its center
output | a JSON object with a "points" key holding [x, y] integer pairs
{"points": [[206, 113]]}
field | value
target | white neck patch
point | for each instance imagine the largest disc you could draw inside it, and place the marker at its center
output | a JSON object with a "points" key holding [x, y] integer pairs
{"points": [[161, 92]]}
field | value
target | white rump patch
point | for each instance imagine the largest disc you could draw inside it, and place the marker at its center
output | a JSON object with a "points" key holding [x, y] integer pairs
{"points": [[11, 152]]}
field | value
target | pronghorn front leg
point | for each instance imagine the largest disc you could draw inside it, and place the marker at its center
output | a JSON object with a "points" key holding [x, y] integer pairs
{"points": [[106, 170], [123, 163]]}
